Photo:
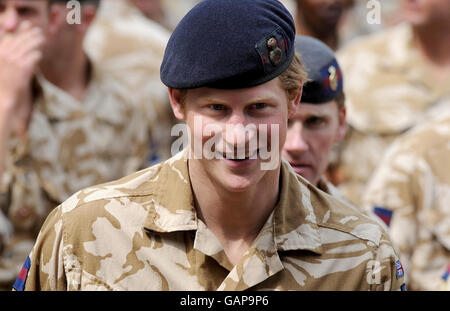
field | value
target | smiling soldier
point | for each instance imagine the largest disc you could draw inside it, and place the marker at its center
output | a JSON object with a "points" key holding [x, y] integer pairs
{"points": [[224, 223]]}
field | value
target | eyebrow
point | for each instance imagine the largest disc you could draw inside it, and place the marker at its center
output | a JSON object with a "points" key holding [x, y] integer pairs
{"points": [[252, 101], [316, 114]]}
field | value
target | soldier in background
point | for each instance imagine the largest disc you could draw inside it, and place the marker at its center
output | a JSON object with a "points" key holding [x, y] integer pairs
{"points": [[321, 19], [66, 124], [129, 47], [319, 122], [394, 79], [221, 223], [410, 191]]}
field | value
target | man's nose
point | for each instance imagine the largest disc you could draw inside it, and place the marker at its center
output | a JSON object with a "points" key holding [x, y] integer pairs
{"points": [[295, 141], [9, 20], [238, 131]]}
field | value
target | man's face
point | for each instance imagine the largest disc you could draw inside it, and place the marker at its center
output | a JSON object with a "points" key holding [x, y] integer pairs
{"points": [[422, 12], [312, 131], [14, 12], [226, 112], [322, 14]]}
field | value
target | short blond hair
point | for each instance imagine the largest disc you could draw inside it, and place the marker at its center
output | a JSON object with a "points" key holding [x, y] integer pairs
{"points": [[293, 77]]}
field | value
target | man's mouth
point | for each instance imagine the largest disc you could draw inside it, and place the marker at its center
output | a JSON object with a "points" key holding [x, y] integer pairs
{"points": [[239, 157]]}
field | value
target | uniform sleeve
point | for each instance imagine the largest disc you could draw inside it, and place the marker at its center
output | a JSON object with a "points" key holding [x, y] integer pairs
{"points": [[390, 269], [44, 268], [393, 194]]}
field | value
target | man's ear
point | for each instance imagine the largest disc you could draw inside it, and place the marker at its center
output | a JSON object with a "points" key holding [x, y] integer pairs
{"points": [[342, 129], [177, 104], [56, 17], [88, 13], [293, 104]]}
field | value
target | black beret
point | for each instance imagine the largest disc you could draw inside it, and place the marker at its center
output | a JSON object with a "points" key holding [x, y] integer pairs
{"points": [[229, 44], [324, 74]]}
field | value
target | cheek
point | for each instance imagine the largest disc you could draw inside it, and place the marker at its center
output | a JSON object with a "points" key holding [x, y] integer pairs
{"points": [[321, 142], [276, 131]]}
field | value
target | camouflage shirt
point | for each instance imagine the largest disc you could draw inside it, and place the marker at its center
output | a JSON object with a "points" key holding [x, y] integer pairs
{"points": [[389, 89], [411, 192], [142, 233], [70, 145]]}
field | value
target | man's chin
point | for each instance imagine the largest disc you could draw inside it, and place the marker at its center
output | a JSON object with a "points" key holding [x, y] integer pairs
{"points": [[306, 172]]}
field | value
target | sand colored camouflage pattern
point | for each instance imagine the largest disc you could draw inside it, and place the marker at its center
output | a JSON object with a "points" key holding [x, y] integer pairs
{"points": [[389, 89], [142, 233], [70, 145], [130, 47], [413, 181]]}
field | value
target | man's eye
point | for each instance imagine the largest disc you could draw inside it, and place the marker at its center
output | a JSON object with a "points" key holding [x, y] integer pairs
{"points": [[25, 11], [259, 106], [314, 121], [217, 107]]}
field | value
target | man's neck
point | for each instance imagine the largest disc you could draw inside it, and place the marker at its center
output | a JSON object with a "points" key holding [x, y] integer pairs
{"points": [[433, 42], [234, 218], [69, 71]]}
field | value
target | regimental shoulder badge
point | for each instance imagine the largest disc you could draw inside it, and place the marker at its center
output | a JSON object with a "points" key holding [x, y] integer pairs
{"points": [[19, 285], [399, 269], [445, 284], [447, 272], [384, 213]]}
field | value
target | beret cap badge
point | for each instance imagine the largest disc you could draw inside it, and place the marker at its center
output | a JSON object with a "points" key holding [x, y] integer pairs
{"points": [[333, 78], [275, 53]]}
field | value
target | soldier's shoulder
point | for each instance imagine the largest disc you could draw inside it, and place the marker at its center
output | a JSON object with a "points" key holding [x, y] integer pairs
{"points": [[342, 216], [129, 188], [424, 137]]}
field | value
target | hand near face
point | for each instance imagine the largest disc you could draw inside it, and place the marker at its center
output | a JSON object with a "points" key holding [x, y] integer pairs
{"points": [[20, 53]]}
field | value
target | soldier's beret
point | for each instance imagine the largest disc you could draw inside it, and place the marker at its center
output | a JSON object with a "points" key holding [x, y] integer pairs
{"points": [[324, 74], [229, 44]]}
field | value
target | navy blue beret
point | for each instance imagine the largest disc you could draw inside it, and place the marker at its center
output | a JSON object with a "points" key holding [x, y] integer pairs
{"points": [[324, 74], [229, 44]]}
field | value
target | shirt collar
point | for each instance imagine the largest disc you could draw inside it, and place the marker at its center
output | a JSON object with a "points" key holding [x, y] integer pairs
{"points": [[173, 210], [293, 220]]}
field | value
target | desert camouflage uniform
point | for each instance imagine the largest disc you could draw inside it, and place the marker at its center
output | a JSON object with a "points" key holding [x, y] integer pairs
{"points": [[70, 145], [130, 47], [413, 183], [389, 90], [142, 233]]}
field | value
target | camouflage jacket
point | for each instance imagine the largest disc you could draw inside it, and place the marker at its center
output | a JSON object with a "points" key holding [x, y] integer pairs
{"points": [[410, 191], [70, 145], [389, 89], [142, 233]]}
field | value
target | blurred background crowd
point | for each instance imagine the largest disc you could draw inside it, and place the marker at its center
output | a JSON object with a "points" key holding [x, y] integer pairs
{"points": [[84, 105]]}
